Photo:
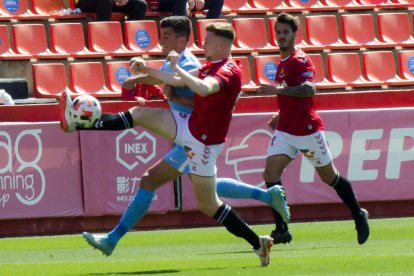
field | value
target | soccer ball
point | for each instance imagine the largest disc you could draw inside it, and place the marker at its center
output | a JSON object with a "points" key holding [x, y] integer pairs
{"points": [[86, 111]]}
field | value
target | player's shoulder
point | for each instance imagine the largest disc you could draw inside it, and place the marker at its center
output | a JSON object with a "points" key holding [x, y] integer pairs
{"points": [[189, 60], [299, 57], [232, 65]]}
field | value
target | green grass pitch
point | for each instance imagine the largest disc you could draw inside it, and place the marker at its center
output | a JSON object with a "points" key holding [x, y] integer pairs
{"points": [[318, 248]]}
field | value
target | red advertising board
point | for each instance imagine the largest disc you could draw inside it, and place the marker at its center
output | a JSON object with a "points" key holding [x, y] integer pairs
{"points": [[40, 171], [374, 149], [112, 165]]}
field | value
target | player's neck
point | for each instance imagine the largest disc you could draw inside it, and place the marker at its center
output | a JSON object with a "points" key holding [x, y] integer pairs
{"points": [[285, 53]]}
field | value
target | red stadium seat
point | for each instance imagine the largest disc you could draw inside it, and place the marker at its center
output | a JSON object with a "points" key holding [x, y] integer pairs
{"points": [[275, 6], [347, 5], [310, 5], [406, 64], [192, 46], [201, 29], [242, 6], [106, 37], [18, 10], [251, 35], [360, 29], [248, 84], [372, 2], [380, 66], [116, 73], [395, 28], [156, 63], [49, 80], [142, 36], [322, 30], [265, 68], [346, 68], [88, 77], [30, 39], [69, 38], [6, 53], [321, 82], [51, 9], [300, 42]]}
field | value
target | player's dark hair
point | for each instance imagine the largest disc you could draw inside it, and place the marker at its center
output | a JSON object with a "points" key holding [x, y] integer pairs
{"points": [[181, 25], [288, 19], [222, 29]]}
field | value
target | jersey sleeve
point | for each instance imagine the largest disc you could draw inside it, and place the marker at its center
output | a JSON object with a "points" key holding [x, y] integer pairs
{"points": [[228, 74], [303, 71]]}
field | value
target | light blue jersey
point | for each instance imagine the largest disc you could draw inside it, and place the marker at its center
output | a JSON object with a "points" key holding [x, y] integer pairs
{"points": [[188, 61], [176, 157]]}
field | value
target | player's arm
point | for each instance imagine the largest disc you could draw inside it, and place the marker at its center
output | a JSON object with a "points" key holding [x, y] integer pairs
{"points": [[202, 87], [131, 82], [139, 65], [306, 89]]}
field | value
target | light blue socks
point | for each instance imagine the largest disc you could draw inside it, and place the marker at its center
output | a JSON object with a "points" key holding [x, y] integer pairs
{"points": [[231, 188], [136, 210]]}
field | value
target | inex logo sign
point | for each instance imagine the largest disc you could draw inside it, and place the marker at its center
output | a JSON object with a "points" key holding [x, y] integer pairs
{"points": [[133, 148], [248, 158]]}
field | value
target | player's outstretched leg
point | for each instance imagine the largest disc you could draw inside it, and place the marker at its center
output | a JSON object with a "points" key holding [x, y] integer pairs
{"points": [[135, 211], [274, 196]]}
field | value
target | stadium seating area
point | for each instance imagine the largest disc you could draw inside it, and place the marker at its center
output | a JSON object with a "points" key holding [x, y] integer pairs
{"points": [[356, 45]]}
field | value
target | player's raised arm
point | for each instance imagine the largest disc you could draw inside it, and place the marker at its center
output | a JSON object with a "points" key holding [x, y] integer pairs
{"points": [[139, 65], [203, 87]]}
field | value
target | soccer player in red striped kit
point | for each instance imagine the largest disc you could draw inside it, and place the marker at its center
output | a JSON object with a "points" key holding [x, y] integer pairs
{"points": [[298, 128]]}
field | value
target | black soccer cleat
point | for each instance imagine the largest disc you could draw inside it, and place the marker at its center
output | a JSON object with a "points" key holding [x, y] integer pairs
{"points": [[279, 237], [362, 227]]}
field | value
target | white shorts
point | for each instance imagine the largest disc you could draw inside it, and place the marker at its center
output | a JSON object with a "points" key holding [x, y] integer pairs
{"points": [[202, 158], [313, 147]]}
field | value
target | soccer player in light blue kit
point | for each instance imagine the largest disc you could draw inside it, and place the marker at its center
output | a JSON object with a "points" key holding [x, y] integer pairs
{"points": [[175, 31]]}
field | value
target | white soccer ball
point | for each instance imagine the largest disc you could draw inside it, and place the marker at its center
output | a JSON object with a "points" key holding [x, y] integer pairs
{"points": [[86, 111]]}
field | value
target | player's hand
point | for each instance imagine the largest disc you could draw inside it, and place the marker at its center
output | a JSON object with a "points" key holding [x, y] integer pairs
{"points": [[121, 3], [173, 57], [129, 83], [191, 4], [269, 89], [199, 5], [137, 65], [141, 101], [272, 123]]}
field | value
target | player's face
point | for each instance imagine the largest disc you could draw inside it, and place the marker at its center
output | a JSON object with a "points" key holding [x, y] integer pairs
{"points": [[168, 40], [285, 37], [211, 45]]}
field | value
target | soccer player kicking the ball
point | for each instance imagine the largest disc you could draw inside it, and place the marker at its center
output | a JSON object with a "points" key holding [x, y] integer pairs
{"points": [[202, 134], [299, 128]]}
